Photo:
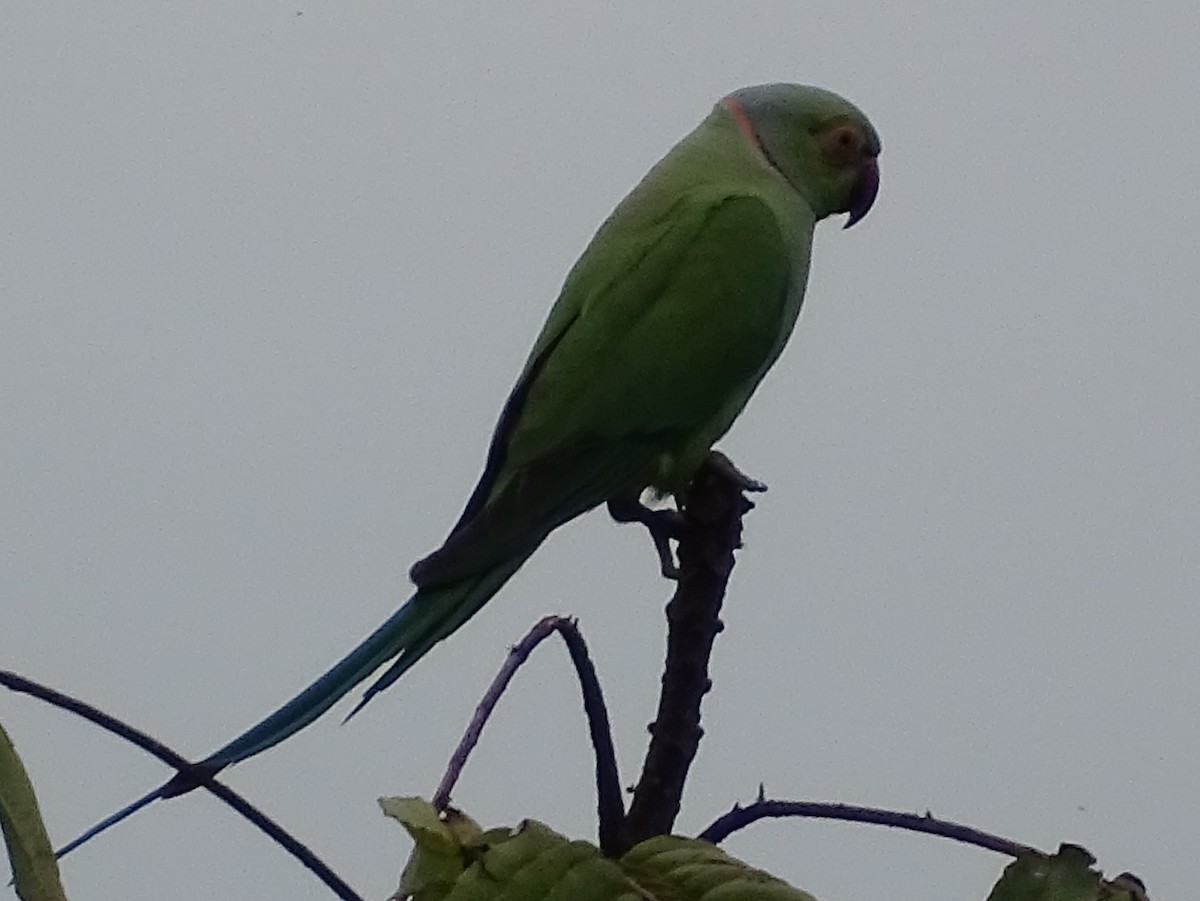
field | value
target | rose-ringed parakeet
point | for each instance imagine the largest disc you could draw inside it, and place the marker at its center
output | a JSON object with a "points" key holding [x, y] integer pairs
{"points": [[664, 327]]}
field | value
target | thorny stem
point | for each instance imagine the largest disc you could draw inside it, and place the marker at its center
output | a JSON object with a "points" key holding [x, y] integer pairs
{"points": [[741, 817], [172, 759], [610, 805], [712, 531]]}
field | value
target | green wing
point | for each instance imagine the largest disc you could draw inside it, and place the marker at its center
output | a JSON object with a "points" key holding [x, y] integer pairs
{"points": [[657, 329]]}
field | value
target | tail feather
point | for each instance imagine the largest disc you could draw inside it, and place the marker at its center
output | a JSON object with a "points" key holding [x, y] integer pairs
{"points": [[108, 822], [430, 615], [427, 617], [449, 617], [390, 639]]}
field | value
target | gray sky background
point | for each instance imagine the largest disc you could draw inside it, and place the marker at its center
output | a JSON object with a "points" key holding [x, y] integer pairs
{"points": [[268, 277]]}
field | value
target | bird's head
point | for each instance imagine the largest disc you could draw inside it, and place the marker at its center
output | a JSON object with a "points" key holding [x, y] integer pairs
{"points": [[819, 142]]}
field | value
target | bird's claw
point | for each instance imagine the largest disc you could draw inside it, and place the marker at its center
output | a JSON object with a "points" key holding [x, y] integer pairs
{"points": [[663, 526], [667, 525]]}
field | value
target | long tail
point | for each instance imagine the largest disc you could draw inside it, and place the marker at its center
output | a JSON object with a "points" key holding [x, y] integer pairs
{"points": [[425, 619], [428, 616]]}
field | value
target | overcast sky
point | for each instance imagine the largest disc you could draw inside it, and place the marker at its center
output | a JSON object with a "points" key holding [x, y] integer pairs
{"points": [[269, 269]]}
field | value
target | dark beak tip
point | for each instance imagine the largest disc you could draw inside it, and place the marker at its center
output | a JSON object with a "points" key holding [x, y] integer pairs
{"points": [[862, 197]]}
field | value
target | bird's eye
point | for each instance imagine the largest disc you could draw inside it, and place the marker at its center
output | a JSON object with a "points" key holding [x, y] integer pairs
{"points": [[843, 144]]}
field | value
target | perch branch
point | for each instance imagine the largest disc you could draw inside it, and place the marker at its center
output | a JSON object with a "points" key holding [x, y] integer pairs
{"points": [[710, 533]]}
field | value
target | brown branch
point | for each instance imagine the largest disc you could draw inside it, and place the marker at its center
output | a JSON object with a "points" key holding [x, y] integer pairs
{"points": [[712, 531], [609, 802], [741, 817], [152, 746]]}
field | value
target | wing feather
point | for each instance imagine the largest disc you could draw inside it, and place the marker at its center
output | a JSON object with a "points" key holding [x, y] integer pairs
{"points": [[647, 344]]}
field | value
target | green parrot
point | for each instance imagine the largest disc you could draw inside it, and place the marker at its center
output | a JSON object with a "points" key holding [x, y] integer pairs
{"points": [[664, 327]]}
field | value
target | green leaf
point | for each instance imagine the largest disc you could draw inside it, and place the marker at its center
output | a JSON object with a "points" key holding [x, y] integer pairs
{"points": [[535, 863], [436, 861], [35, 871], [454, 860], [699, 871], [1065, 876]]}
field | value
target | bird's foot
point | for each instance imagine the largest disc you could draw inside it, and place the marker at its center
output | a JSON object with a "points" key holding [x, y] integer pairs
{"points": [[663, 526]]}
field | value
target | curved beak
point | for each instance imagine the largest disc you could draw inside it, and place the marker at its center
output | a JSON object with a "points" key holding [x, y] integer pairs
{"points": [[864, 191]]}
